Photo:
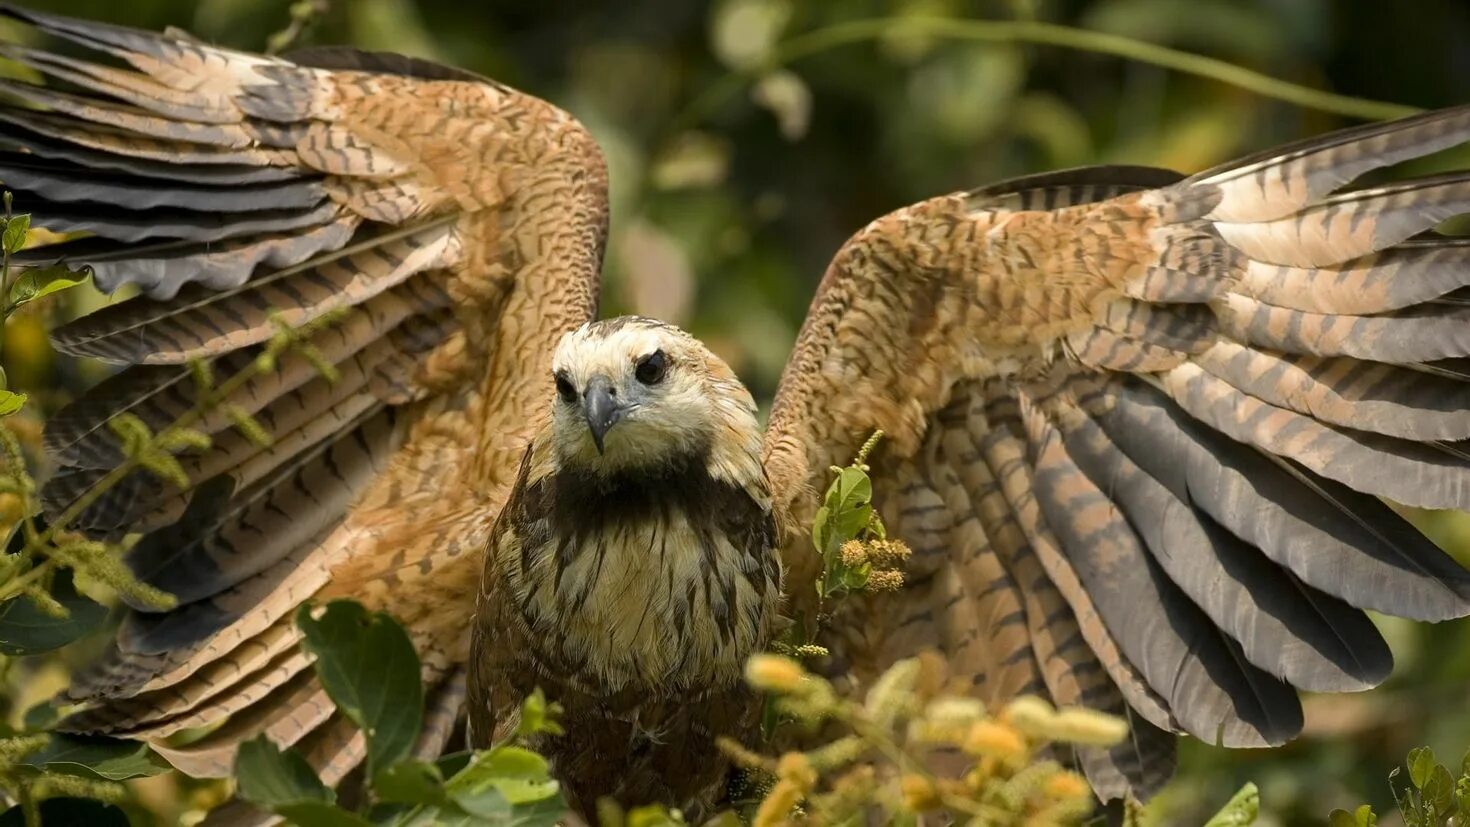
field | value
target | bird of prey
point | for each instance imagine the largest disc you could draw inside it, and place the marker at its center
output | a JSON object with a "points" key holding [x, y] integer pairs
{"points": [[1141, 426]]}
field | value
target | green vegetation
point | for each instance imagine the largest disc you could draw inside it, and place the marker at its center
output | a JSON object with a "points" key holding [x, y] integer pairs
{"points": [[747, 139]]}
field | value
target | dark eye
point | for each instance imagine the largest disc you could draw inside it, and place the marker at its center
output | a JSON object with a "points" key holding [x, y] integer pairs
{"points": [[651, 368], [564, 389]]}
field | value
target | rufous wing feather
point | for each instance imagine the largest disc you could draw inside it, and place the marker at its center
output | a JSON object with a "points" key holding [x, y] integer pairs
{"points": [[1141, 424], [456, 226]]}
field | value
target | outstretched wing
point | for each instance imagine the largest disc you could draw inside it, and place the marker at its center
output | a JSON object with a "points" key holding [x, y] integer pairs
{"points": [[457, 226], [1138, 429]]}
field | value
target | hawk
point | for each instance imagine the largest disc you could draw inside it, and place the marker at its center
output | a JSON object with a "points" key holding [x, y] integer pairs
{"points": [[1140, 425]]}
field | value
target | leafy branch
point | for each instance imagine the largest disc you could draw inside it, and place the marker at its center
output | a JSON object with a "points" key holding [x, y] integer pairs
{"points": [[368, 666], [46, 550], [1035, 32]]}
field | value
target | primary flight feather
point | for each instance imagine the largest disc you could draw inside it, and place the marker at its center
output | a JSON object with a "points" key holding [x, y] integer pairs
{"points": [[1138, 423]]}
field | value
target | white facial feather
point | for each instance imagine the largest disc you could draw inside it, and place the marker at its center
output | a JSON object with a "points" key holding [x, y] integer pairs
{"points": [[697, 408]]}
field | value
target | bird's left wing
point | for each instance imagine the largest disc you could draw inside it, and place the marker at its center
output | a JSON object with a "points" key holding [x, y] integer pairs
{"points": [[1138, 427], [457, 225]]}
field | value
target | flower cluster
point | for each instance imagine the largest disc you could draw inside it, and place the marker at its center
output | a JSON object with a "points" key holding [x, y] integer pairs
{"points": [[912, 747]]}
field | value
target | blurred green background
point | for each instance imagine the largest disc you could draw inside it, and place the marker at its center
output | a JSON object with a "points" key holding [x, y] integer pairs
{"points": [[727, 207]]}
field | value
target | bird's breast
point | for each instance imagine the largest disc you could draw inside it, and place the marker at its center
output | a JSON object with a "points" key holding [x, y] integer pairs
{"points": [[668, 583]]}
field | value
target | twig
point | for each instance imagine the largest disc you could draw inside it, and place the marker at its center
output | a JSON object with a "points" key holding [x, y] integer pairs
{"points": [[304, 15], [1047, 34]]}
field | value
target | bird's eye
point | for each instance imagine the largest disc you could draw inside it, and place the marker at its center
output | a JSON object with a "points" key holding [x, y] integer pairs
{"points": [[564, 389], [651, 368]]}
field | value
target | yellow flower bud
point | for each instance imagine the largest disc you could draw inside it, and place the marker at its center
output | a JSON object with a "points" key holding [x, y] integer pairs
{"points": [[1031, 715], [774, 673], [950, 710], [919, 793], [1065, 785], [796, 769], [776, 805], [1078, 725], [885, 580], [995, 739], [889, 553], [853, 553]]}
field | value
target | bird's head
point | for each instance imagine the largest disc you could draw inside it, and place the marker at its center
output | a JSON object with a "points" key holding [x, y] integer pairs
{"points": [[634, 393]]}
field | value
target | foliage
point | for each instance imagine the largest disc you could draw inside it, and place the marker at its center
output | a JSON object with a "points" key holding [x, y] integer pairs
{"points": [[847, 532], [1428, 795], [728, 205], [874, 765], [369, 667]]}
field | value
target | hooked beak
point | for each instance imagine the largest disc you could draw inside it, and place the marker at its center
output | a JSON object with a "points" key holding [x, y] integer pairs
{"points": [[602, 408]]}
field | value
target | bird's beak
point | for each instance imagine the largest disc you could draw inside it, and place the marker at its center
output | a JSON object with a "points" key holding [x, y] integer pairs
{"points": [[602, 408]]}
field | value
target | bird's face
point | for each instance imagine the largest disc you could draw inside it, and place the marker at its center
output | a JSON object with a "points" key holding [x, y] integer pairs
{"points": [[637, 393]]}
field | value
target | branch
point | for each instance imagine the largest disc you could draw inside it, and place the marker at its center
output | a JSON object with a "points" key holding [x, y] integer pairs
{"points": [[1046, 34]]}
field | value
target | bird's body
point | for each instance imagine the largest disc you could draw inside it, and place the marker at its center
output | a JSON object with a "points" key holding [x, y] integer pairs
{"points": [[1140, 425], [631, 578]]}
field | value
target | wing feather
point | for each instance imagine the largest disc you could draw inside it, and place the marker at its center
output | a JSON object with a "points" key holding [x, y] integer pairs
{"points": [[1173, 405], [456, 224]]}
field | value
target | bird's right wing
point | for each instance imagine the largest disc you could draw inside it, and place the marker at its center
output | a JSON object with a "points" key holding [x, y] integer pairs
{"points": [[457, 225], [1138, 427]]}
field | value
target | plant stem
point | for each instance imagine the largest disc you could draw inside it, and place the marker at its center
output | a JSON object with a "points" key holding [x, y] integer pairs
{"points": [[128, 466], [19, 584], [28, 806], [1046, 34]]}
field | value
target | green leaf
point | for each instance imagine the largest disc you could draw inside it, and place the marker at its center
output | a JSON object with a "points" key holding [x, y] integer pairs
{"points": [[1341, 818], [1439, 790], [1365, 817], [60, 811], [1240, 810], [271, 779], [43, 281], [369, 667], [41, 716], [410, 781], [15, 232], [539, 717], [1421, 766], [96, 756], [851, 490], [320, 814], [821, 525], [517, 775], [11, 402], [850, 524], [485, 805], [26, 630]]}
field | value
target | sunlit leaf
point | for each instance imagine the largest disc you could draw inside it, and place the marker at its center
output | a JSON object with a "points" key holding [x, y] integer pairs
{"points": [[538, 715], [368, 666], [787, 97], [1421, 766], [694, 159], [517, 775], [11, 402], [15, 232], [745, 32], [43, 281], [1240, 810], [1439, 790]]}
